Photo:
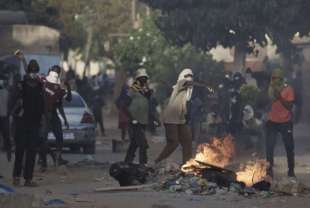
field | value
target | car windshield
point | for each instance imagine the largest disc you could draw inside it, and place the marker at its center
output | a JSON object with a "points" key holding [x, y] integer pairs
{"points": [[76, 102]]}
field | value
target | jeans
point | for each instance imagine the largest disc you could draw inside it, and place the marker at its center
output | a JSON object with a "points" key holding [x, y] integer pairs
{"points": [[286, 132], [177, 134], [137, 141]]}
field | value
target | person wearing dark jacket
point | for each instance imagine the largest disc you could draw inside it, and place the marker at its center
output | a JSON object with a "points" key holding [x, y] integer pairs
{"points": [[28, 113]]}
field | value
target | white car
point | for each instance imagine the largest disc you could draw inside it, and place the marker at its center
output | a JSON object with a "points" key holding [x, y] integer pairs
{"points": [[82, 126]]}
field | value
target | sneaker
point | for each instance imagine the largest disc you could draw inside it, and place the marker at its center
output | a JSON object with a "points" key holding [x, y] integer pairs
{"points": [[16, 181], [29, 183]]}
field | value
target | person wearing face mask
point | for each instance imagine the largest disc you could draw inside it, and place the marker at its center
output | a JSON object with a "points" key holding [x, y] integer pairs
{"points": [[28, 111], [138, 111], [54, 95], [280, 120], [4, 116], [175, 118]]}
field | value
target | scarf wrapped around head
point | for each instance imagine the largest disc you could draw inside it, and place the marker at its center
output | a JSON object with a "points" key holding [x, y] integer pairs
{"points": [[183, 76], [276, 83]]}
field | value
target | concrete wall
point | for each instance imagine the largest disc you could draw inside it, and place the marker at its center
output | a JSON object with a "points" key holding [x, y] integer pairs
{"points": [[29, 38]]}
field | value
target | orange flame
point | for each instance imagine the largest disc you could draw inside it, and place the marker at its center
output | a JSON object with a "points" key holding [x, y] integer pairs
{"points": [[218, 152], [253, 172]]}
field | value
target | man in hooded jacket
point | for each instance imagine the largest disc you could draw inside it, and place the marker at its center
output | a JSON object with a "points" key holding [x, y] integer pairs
{"points": [[175, 118], [28, 110]]}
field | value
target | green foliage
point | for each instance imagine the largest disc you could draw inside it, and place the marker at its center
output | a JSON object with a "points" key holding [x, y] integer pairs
{"points": [[146, 47], [249, 95], [76, 16], [207, 23]]}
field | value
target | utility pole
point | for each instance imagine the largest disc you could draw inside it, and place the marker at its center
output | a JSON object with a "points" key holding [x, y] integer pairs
{"points": [[133, 12]]}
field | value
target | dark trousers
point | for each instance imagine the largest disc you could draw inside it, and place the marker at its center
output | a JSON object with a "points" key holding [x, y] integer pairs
{"points": [[5, 131], [177, 134], [137, 141], [26, 141], [52, 123], [99, 120], [286, 132]]}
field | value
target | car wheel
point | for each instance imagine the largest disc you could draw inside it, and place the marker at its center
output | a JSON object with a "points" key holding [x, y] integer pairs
{"points": [[89, 149]]}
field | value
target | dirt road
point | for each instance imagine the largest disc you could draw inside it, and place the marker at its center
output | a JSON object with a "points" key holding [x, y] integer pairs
{"points": [[75, 185]]}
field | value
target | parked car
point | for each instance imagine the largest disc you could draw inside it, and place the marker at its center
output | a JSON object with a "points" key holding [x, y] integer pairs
{"points": [[82, 126]]}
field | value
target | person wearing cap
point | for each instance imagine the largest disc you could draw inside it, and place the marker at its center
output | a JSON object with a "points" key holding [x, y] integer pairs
{"points": [[28, 110], [175, 118], [280, 120], [53, 96], [138, 112]]}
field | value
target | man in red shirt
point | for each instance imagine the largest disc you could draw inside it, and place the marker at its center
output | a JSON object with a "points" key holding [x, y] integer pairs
{"points": [[280, 120], [54, 95]]}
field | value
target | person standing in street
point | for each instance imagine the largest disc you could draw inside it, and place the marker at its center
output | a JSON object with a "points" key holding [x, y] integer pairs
{"points": [[53, 95], [175, 118], [280, 120], [28, 112], [4, 116], [138, 112], [96, 106]]}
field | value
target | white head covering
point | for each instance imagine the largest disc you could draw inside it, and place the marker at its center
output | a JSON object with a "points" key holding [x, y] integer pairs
{"points": [[182, 76], [53, 77], [185, 72], [248, 113]]}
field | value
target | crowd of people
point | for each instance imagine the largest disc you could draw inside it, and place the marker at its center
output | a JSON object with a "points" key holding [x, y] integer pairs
{"points": [[254, 124], [35, 102]]}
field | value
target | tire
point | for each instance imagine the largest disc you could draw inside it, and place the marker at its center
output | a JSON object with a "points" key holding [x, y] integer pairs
{"points": [[89, 149]]}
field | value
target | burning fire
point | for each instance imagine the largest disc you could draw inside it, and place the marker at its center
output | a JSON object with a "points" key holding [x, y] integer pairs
{"points": [[218, 152], [253, 172]]}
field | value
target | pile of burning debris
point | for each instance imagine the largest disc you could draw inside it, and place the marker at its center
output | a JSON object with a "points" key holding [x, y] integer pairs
{"points": [[207, 173], [210, 172]]}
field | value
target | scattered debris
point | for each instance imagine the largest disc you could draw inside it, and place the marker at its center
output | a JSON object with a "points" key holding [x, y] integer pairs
{"points": [[124, 188], [288, 186], [55, 202], [4, 189], [130, 174]]}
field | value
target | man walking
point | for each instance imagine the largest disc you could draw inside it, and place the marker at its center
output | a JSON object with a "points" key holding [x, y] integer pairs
{"points": [[175, 118], [53, 95], [280, 120], [29, 111], [138, 111]]}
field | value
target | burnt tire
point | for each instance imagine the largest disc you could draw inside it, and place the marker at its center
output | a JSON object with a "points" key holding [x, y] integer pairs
{"points": [[89, 149]]}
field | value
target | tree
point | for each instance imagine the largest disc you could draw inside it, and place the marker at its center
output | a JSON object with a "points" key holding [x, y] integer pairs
{"points": [[146, 47], [239, 23]]}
